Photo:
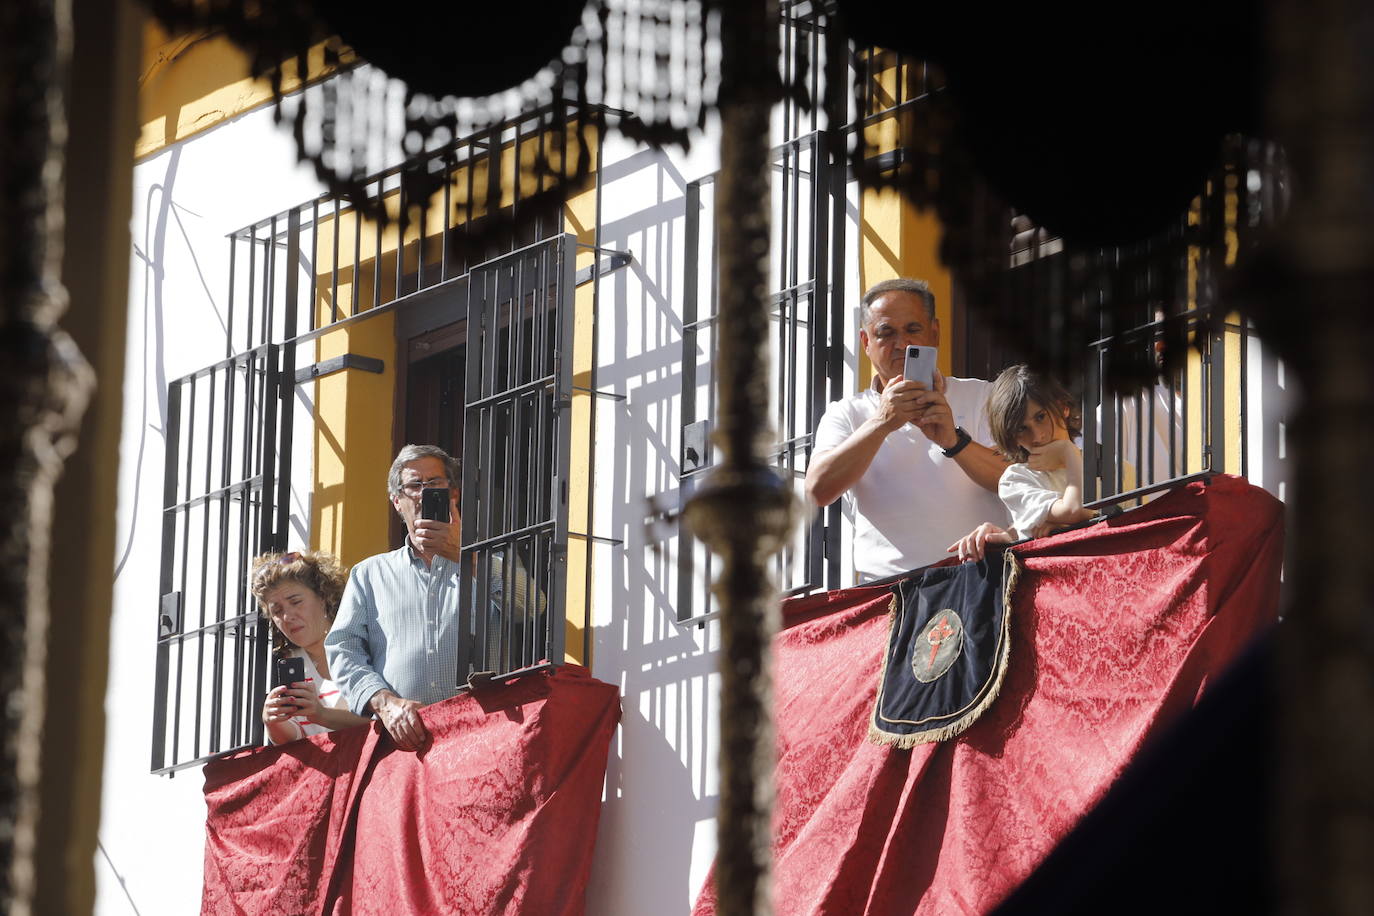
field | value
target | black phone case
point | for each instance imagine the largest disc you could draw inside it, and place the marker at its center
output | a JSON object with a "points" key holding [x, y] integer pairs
{"points": [[434, 504], [288, 671]]}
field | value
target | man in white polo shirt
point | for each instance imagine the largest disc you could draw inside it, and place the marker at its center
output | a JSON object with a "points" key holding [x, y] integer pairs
{"points": [[913, 460]]}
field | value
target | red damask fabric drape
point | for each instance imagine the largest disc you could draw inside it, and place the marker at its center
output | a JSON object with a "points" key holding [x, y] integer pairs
{"points": [[499, 815], [1116, 631]]}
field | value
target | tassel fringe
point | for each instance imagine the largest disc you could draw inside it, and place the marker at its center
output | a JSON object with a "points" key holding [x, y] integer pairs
{"points": [[1011, 575]]}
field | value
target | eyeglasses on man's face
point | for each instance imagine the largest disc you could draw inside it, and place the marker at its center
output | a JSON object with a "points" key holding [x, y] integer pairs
{"points": [[412, 488]]}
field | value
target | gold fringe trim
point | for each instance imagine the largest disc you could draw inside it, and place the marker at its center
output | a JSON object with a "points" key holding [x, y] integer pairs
{"points": [[875, 734], [1011, 575]]}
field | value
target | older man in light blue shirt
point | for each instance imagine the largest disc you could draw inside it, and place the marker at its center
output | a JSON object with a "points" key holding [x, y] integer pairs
{"points": [[394, 644]]}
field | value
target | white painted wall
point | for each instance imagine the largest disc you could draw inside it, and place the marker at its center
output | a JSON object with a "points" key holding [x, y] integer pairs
{"points": [[657, 837], [657, 833], [186, 201]]}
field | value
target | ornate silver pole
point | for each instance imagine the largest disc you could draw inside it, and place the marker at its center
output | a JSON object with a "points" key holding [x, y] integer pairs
{"points": [[743, 512]]}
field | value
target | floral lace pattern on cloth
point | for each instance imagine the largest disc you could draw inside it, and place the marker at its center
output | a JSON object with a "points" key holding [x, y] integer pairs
{"points": [[344, 823], [1117, 629]]}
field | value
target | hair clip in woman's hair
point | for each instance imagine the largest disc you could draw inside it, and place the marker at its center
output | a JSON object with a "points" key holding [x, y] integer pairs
{"points": [[264, 566]]}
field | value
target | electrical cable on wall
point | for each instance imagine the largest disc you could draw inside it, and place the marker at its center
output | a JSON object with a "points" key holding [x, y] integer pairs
{"points": [[122, 883]]}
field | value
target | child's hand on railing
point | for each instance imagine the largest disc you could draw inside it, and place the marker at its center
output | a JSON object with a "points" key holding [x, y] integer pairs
{"points": [[973, 545]]}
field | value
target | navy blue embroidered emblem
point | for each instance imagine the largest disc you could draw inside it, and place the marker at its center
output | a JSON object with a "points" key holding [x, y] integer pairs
{"points": [[947, 650], [945, 635]]}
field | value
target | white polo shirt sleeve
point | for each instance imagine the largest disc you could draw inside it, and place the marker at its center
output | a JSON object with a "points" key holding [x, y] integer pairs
{"points": [[837, 425]]}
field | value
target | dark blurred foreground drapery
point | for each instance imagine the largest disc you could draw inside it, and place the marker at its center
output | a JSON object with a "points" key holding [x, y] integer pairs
{"points": [[1205, 773], [1116, 631], [462, 70], [499, 815], [51, 727]]}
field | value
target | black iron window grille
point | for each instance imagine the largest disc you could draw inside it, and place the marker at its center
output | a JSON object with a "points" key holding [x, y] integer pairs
{"points": [[296, 276], [517, 435], [224, 502], [348, 265], [808, 273], [1194, 422]]}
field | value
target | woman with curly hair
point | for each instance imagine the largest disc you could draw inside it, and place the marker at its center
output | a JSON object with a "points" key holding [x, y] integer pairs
{"points": [[299, 593]]}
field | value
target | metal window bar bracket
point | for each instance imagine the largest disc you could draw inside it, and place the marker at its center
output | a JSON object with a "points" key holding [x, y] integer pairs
{"points": [[603, 266], [339, 364]]}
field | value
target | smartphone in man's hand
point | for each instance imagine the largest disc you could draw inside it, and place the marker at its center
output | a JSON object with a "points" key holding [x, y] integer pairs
{"points": [[920, 365], [434, 504]]}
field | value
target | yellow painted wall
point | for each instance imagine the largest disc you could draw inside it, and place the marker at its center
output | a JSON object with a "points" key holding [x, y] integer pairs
{"points": [[921, 233], [1228, 433], [350, 513], [898, 240], [354, 410], [1234, 382], [895, 238], [579, 218], [190, 83]]}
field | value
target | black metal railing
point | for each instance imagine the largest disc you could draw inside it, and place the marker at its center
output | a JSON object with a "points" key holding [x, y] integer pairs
{"points": [[1179, 428], [1194, 419], [227, 496], [227, 444], [348, 264], [808, 271], [1159, 309]]}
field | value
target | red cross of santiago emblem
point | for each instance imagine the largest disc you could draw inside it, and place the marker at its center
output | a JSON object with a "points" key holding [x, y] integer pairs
{"points": [[944, 634]]}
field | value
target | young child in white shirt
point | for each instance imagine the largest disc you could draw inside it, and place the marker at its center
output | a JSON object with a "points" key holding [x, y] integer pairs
{"points": [[1033, 421]]}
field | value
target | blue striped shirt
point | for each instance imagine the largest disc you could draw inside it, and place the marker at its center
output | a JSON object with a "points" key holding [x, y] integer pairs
{"points": [[397, 629]]}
